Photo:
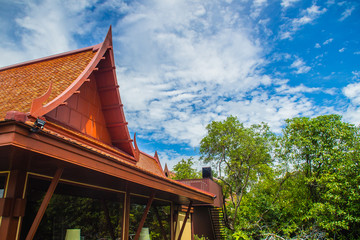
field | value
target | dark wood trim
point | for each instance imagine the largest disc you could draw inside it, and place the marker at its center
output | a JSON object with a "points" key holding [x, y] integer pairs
{"points": [[45, 203], [143, 218], [184, 223]]}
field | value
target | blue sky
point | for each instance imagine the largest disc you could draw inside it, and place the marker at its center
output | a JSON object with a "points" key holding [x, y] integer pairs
{"points": [[182, 64]]}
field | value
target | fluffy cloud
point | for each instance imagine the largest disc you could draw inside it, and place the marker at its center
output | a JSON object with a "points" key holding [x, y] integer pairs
{"points": [[347, 13], [195, 62], [328, 41], [42, 28], [288, 3], [307, 16], [300, 66]]}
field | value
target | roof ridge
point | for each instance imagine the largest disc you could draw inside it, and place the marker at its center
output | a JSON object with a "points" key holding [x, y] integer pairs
{"points": [[93, 48]]}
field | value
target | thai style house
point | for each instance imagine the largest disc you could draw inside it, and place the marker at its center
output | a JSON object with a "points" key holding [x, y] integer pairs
{"points": [[68, 166]]}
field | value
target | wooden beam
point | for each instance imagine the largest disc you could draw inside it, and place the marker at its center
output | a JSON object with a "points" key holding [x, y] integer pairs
{"points": [[143, 218], [45, 203], [186, 218]]}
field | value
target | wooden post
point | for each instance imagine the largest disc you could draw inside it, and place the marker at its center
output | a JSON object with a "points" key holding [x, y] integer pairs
{"points": [[186, 218], [15, 188], [143, 218], [44, 203], [172, 231]]}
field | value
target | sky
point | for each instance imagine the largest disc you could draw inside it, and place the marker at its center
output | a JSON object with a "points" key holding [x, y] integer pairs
{"points": [[183, 63]]}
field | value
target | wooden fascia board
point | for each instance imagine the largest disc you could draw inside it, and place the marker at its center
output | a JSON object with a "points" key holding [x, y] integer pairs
{"points": [[113, 67], [49, 145]]}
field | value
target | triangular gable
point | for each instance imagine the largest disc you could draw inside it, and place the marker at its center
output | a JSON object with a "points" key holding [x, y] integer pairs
{"points": [[95, 107]]}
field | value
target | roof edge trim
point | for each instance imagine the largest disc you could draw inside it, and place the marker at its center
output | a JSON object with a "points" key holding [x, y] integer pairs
{"points": [[107, 43]]}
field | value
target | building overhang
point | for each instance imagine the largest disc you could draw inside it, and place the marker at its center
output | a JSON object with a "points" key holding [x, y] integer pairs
{"points": [[42, 153]]}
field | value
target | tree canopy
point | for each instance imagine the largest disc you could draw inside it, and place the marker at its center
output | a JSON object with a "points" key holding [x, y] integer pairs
{"points": [[185, 170], [240, 154], [302, 184]]}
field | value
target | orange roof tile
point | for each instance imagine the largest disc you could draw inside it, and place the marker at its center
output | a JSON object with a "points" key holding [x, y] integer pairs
{"points": [[20, 84], [150, 164]]}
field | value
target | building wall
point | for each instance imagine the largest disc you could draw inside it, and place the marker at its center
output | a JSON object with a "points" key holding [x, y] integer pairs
{"points": [[202, 223], [187, 234]]}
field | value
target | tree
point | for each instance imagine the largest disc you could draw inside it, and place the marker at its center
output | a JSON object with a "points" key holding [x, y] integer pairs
{"points": [[325, 150], [185, 170], [241, 155]]}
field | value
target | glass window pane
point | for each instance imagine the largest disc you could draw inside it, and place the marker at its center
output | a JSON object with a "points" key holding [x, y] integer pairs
{"points": [[90, 213], [3, 179], [157, 223]]}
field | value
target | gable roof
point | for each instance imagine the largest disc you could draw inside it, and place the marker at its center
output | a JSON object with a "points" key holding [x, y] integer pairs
{"points": [[40, 86]]}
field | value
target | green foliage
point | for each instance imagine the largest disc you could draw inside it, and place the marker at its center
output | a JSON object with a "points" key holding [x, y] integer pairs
{"points": [[241, 156], [326, 151], [196, 237], [185, 170], [303, 184]]}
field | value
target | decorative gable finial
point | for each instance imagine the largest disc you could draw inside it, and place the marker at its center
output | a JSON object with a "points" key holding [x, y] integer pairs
{"points": [[37, 103], [137, 151], [156, 156]]}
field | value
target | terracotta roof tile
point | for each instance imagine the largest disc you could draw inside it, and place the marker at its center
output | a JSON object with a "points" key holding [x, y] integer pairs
{"points": [[19, 85]]}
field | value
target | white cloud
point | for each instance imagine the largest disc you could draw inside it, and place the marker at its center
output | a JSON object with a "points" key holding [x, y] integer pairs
{"points": [[328, 41], [341, 50], [300, 66], [330, 2], [352, 92], [195, 62], [317, 45], [307, 16], [288, 3], [43, 28], [347, 13], [356, 74], [298, 89], [257, 7]]}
